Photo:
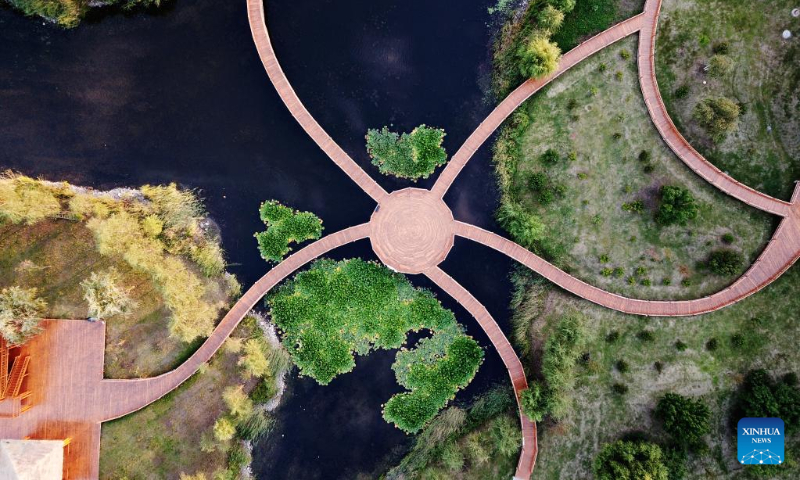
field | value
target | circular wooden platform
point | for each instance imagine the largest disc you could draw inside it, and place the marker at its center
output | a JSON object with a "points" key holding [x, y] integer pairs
{"points": [[412, 230]]}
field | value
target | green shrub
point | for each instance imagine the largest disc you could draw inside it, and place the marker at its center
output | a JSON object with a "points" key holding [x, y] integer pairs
{"points": [[680, 346], [644, 156], [646, 336], [761, 396], [451, 457], [550, 18], [678, 206], [525, 228], [686, 420], [619, 388], [630, 460], [538, 56], [720, 66], [534, 402], [737, 340], [712, 344], [718, 116], [622, 366], [20, 314], [238, 457], [658, 366], [720, 48], [506, 436], [377, 308], [263, 392], [636, 206], [625, 54], [104, 295], [681, 92], [410, 155], [728, 238], [284, 226], [612, 336], [550, 157], [725, 262]]}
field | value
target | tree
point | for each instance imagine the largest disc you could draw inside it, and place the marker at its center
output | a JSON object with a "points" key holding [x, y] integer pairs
{"points": [[678, 206], [685, 419], [104, 295], [624, 460], [534, 402], [538, 56], [718, 116], [237, 401], [224, 429], [762, 396], [410, 155], [565, 6], [720, 65], [20, 314], [725, 262], [550, 18], [526, 228], [254, 359]]}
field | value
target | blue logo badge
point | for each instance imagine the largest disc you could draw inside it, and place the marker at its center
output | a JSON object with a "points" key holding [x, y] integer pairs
{"points": [[760, 441]]}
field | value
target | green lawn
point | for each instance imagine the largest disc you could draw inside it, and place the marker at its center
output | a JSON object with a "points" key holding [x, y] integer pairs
{"points": [[594, 118], [764, 152]]}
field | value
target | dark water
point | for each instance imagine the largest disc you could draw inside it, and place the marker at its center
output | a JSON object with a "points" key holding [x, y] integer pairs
{"points": [[181, 96]]}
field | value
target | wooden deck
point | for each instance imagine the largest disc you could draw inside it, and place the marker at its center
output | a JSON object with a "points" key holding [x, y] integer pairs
{"points": [[527, 458], [258, 27]]}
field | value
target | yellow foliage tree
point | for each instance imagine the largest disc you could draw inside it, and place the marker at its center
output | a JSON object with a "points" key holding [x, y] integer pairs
{"points": [[254, 360], [24, 200], [237, 401]]}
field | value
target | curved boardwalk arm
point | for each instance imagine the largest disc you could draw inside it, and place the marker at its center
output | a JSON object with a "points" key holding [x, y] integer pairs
{"points": [[258, 27], [781, 252], [527, 458], [523, 92], [673, 138], [121, 397]]}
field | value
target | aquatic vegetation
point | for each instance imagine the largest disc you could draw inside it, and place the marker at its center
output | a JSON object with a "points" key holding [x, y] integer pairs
{"points": [[284, 226], [410, 155], [335, 310]]}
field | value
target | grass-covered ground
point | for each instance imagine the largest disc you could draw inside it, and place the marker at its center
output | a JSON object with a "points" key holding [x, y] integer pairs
{"points": [[750, 334], [764, 151], [594, 119], [167, 260]]}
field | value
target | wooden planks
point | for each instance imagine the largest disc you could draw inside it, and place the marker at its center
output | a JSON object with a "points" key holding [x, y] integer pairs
{"points": [[527, 458], [258, 27]]}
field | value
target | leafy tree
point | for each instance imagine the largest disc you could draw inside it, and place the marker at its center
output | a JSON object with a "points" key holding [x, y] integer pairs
{"points": [[678, 206], [718, 116], [725, 261], [525, 228], [624, 460], [254, 360], [104, 295], [762, 396], [410, 155], [685, 419], [534, 402], [224, 429], [506, 436], [238, 402], [538, 56], [550, 18], [336, 310], [720, 65], [565, 6], [20, 314], [451, 457], [284, 226]]}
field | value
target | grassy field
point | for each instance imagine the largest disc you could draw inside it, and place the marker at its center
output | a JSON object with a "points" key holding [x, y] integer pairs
{"points": [[594, 118], [764, 152], [598, 415]]}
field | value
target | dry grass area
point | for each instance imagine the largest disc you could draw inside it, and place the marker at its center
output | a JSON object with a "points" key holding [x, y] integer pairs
{"points": [[598, 415], [595, 119], [764, 152], [54, 256]]}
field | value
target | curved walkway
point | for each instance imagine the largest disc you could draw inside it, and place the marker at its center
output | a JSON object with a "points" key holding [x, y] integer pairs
{"points": [[117, 398], [673, 138], [258, 27], [527, 458], [523, 92]]}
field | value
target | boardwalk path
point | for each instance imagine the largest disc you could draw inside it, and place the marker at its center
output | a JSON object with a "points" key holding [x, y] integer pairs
{"points": [[412, 231], [121, 397], [673, 138]]}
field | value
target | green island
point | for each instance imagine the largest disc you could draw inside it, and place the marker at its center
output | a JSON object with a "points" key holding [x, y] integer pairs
{"points": [[335, 310], [284, 226], [410, 155]]}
